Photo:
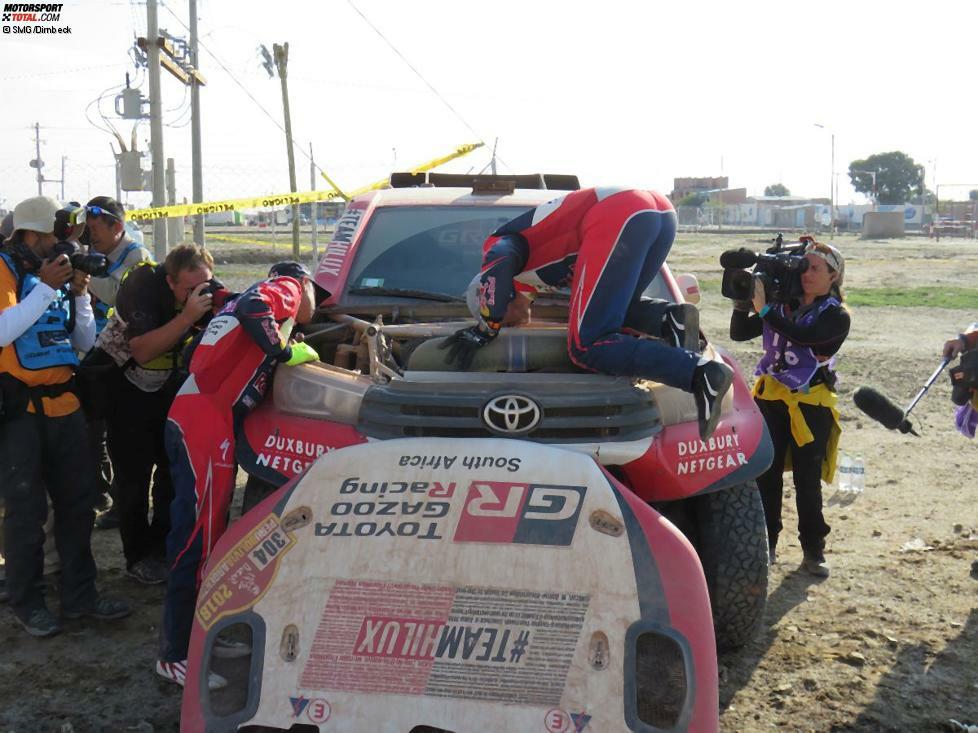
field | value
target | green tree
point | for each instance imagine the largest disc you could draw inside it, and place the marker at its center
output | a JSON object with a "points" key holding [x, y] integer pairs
{"points": [[973, 194], [693, 199], [897, 177], [777, 189]]}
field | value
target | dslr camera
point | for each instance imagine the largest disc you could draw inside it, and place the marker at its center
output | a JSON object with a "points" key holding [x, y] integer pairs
{"points": [[67, 230], [94, 263], [779, 269]]}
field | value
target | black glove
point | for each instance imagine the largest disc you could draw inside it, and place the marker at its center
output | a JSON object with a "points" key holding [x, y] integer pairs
{"points": [[465, 343]]}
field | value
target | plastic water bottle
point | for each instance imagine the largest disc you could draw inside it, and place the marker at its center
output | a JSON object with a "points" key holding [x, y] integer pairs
{"points": [[858, 481], [844, 469]]}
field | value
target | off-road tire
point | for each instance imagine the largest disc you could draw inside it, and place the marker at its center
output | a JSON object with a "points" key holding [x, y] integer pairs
{"points": [[255, 492], [728, 530], [732, 545]]}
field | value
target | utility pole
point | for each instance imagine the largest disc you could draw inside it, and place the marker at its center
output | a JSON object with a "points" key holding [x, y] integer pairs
{"points": [[195, 151], [37, 162], [832, 182], [832, 194], [156, 127], [174, 224], [281, 55], [118, 174], [314, 205]]}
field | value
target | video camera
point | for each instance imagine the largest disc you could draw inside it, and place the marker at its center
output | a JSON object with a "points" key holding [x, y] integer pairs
{"points": [[779, 268]]}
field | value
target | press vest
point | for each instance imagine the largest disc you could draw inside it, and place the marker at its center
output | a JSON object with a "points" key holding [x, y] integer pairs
{"points": [[103, 311], [791, 364], [46, 343]]}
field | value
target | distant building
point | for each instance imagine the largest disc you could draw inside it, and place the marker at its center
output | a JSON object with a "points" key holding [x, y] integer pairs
{"points": [[682, 187]]}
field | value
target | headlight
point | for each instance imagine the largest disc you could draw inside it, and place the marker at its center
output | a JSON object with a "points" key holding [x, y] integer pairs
{"points": [[320, 392]]}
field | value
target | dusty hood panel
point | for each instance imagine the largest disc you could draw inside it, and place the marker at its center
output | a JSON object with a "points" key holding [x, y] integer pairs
{"points": [[455, 584]]}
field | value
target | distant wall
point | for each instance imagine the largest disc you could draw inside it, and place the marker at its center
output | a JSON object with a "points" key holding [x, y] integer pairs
{"points": [[883, 224]]}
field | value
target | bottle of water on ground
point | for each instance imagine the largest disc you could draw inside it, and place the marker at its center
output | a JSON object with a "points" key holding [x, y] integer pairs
{"points": [[844, 469], [858, 481]]}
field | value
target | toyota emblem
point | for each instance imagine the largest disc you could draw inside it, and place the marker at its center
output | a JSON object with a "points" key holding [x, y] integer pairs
{"points": [[512, 414]]}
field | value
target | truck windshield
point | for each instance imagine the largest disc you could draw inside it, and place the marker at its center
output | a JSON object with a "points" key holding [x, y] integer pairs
{"points": [[430, 249]]}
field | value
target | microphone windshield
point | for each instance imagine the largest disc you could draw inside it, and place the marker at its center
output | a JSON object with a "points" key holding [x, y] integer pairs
{"points": [[737, 258], [881, 409]]}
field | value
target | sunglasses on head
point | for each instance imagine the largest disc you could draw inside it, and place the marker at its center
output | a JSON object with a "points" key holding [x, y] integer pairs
{"points": [[81, 214]]}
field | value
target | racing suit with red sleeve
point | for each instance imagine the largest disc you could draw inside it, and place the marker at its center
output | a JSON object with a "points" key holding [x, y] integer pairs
{"points": [[606, 244], [230, 372]]}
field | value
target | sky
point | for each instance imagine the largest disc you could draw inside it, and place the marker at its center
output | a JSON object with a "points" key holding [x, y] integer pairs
{"points": [[621, 92]]}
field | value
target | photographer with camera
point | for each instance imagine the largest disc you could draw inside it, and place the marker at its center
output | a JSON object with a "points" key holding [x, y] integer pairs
{"points": [[105, 234], [45, 318], [159, 309], [797, 301]]}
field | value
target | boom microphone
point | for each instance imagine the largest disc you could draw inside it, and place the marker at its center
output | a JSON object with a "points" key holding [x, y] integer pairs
{"points": [[882, 410], [735, 259]]}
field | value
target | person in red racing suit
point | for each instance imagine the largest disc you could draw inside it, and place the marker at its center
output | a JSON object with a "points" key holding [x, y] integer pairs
{"points": [[230, 372], [606, 244]]}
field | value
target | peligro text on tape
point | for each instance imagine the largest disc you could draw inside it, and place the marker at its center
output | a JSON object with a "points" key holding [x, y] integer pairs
{"points": [[210, 207], [284, 199]]}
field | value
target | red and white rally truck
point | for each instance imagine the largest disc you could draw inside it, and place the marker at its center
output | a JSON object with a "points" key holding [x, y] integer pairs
{"points": [[397, 268]]}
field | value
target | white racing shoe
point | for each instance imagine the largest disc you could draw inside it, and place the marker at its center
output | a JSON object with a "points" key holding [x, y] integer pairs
{"points": [[711, 380], [177, 672]]}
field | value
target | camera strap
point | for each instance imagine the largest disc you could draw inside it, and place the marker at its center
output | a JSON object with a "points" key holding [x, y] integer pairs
{"points": [[17, 394], [72, 311]]}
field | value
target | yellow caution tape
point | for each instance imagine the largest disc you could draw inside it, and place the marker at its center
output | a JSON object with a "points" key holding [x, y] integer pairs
{"points": [[384, 183], [210, 207], [284, 199]]}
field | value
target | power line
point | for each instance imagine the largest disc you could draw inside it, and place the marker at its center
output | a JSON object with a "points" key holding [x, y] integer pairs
{"points": [[98, 101], [59, 73], [243, 88], [418, 73]]}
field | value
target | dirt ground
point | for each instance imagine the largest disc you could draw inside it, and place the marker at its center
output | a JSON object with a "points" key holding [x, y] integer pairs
{"points": [[888, 643]]}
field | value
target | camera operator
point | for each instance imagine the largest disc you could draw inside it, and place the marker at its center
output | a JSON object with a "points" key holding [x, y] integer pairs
{"points": [[159, 309], [45, 318], [105, 233], [795, 391]]}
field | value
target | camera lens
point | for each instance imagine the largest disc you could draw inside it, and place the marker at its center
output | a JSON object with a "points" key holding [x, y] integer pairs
{"points": [[94, 264]]}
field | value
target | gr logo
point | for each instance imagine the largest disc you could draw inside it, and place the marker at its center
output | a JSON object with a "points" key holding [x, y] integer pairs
{"points": [[524, 514]]}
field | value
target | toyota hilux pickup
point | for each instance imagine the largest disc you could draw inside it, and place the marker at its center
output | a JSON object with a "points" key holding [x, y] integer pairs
{"points": [[396, 270]]}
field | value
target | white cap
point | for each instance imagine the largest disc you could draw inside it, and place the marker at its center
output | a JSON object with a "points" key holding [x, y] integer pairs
{"points": [[36, 214]]}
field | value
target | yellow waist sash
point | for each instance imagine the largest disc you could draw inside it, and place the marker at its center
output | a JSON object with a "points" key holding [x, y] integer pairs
{"points": [[768, 388]]}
